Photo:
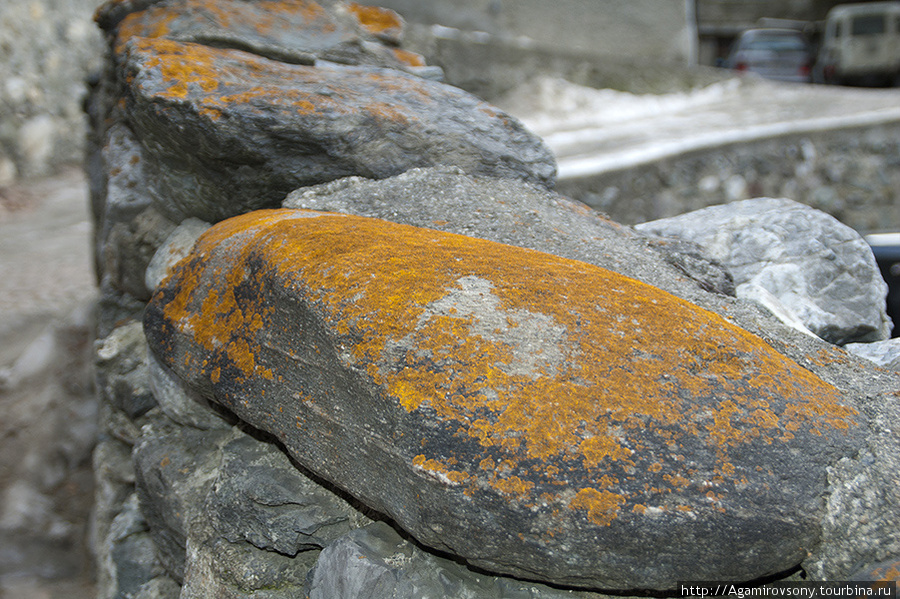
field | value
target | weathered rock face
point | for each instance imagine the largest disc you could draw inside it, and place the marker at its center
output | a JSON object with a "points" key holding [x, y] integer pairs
{"points": [[235, 104], [535, 415], [513, 212], [821, 271], [293, 31]]}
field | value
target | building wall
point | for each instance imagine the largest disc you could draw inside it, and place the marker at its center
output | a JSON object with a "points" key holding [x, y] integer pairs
{"points": [[650, 29]]}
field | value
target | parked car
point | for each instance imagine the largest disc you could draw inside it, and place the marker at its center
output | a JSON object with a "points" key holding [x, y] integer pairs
{"points": [[861, 44], [886, 247], [781, 54]]}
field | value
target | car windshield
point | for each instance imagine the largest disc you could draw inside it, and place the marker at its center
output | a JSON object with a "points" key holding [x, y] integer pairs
{"points": [[776, 43], [869, 25]]}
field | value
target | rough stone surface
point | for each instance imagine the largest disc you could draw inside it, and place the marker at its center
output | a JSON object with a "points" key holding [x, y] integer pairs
{"points": [[821, 270], [377, 563], [886, 570], [292, 31], [177, 245], [862, 512], [883, 353], [131, 560], [174, 467], [260, 497], [232, 516], [121, 370], [535, 415], [175, 402], [516, 213], [226, 131]]}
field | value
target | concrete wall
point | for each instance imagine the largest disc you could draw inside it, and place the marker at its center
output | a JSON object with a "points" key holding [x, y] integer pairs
{"points": [[851, 174]]}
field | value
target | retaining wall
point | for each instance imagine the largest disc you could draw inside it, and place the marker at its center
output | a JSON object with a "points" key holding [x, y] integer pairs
{"points": [[851, 173]]}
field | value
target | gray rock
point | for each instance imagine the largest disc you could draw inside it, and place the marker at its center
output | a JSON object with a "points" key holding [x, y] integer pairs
{"points": [[180, 406], [123, 198], [820, 269], [232, 516], [883, 353], [225, 132], [121, 370], [260, 497], [174, 467], [377, 563], [535, 415], [131, 560], [296, 33], [219, 568], [177, 245], [161, 587], [113, 485], [516, 213], [862, 510], [129, 248]]}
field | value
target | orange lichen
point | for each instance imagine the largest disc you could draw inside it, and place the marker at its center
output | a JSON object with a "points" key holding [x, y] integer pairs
{"points": [[212, 79], [512, 485], [408, 58], [377, 20], [268, 18], [624, 364], [602, 506]]}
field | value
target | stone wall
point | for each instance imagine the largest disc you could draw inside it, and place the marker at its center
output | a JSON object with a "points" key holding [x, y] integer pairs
{"points": [[849, 173], [351, 344], [47, 50]]}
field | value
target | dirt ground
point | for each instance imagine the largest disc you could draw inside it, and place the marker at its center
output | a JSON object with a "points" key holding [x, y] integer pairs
{"points": [[47, 408]]}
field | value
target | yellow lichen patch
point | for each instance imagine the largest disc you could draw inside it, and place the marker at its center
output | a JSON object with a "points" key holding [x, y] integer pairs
{"points": [[602, 506], [408, 58], [598, 449], [376, 20], [629, 379], [212, 79], [512, 485], [268, 18]]}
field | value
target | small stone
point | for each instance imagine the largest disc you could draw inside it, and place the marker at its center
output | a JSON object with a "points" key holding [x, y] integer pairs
{"points": [[819, 269], [377, 563], [121, 370], [177, 245], [882, 353]]}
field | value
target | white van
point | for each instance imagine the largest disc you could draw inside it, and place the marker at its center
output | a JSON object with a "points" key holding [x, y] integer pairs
{"points": [[861, 44]]}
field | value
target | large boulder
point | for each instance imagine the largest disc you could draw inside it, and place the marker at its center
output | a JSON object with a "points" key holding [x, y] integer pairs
{"points": [[821, 271], [293, 31], [535, 415], [225, 131]]}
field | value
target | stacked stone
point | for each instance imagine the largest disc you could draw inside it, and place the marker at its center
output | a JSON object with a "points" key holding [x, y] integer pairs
{"points": [[352, 345]]}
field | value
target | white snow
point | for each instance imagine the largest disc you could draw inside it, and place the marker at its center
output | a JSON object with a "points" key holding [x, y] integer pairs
{"points": [[595, 130]]}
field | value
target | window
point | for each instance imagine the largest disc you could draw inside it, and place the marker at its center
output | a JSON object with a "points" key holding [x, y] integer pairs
{"points": [[869, 25]]}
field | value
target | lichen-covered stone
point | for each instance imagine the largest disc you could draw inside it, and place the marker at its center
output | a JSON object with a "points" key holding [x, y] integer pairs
{"points": [[517, 213], [225, 131], [294, 31], [534, 415]]}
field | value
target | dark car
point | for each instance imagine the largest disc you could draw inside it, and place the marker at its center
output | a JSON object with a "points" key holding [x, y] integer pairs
{"points": [[886, 247], [781, 54]]}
